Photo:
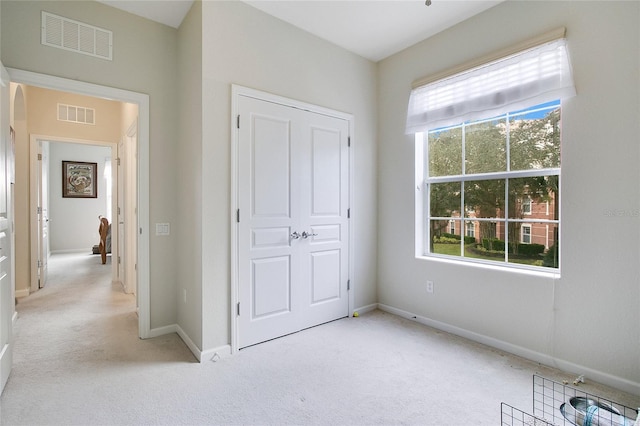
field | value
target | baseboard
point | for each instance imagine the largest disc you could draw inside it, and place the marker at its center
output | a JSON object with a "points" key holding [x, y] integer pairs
{"points": [[72, 251], [569, 367], [216, 354], [208, 355], [22, 293], [366, 308]]}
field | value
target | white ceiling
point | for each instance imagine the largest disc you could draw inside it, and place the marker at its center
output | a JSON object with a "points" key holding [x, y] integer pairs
{"points": [[373, 29]]}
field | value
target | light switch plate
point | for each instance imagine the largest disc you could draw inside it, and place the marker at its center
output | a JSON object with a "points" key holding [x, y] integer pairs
{"points": [[163, 229]]}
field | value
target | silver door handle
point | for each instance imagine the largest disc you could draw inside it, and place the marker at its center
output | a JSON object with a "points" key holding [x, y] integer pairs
{"points": [[305, 235], [295, 235]]}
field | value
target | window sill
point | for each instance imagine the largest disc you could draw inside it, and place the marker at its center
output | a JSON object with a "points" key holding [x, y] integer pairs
{"points": [[499, 268]]}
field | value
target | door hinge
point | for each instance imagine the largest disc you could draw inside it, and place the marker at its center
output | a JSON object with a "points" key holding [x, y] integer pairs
{"points": [[118, 160], [118, 260], [238, 121], [39, 157], [118, 210], [348, 285], [349, 141], [238, 215], [348, 213], [39, 264], [39, 210], [238, 309]]}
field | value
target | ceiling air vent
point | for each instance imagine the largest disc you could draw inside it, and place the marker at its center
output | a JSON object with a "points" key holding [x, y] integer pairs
{"points": [[67, 34]]}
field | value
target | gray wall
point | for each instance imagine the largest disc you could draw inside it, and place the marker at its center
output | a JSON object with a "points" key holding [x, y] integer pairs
{"points": [[587, 321], [145, 61], [192, 246], [73, 222], [245, 46]]}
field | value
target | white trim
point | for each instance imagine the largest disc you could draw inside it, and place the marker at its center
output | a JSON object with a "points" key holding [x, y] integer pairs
{"points": [[202, 356], [595, 375], [22, 293], [71, 251], [366, 308], [142, 100], [236, 91], [34, 139], [215, 354]]}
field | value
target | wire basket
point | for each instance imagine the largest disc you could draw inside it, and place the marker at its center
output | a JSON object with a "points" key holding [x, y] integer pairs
{"points": [[511, 416], [563, 405], [557, 404]]}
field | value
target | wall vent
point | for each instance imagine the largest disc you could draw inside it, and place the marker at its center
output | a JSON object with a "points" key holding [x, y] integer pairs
{"points": [[67, 34], [76, 114]]}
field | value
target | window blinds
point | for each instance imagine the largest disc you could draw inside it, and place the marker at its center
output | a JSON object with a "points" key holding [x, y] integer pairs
{"points": [[532, 76]]}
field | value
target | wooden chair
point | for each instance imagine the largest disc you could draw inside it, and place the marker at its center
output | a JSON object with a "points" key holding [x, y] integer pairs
{"points": [[105, 236]]}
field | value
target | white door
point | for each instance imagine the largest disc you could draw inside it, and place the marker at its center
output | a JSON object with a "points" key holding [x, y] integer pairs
{"points": [[122, 253], [44, 216], [7, 288], [126, 210], [293, 230], [40, 227]]}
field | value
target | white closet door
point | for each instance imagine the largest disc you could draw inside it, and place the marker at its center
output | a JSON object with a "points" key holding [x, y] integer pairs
{"points": [[293, 230]]}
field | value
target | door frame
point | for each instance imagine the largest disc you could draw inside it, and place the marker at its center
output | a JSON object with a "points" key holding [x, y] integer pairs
{"points": [[34, 191], [143, 228], [236, 92]]}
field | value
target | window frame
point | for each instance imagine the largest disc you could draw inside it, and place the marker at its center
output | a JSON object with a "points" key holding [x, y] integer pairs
{"points": [[423, 218], [522, 233]]}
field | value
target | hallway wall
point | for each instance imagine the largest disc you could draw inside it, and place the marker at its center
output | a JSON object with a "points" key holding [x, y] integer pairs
{"points": [[144, 61], [73, 222]]}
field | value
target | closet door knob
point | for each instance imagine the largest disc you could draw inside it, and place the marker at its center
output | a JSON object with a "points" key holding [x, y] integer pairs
{"points": [[295, 235], [305, 235]]}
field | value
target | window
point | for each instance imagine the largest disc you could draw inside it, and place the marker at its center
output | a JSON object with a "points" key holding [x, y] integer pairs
{"points": [[526, 234], [494, 170], [526, 205], [470, 229], [488, 153]]}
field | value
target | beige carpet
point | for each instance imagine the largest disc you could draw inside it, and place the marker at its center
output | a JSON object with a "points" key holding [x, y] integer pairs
{"points": [[78, 361]]}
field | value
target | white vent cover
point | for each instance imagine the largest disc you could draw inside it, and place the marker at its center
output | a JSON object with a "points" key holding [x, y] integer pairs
{"points": [[76, 114], [67, 34]]}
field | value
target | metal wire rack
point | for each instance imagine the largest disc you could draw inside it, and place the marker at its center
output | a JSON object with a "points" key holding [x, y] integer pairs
{"points": [[565, 405], [511, 416], [558, 404]]}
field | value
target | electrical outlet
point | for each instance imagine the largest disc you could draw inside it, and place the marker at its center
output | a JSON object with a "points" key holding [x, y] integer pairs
{"points": [[429, 286]]}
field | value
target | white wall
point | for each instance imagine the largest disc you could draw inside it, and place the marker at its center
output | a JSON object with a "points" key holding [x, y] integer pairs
{"points": [[589, 320], [73, 222], [244, 46], [144, 61]]}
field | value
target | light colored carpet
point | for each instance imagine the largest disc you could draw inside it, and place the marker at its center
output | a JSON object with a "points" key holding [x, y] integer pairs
{"points": [[78, 361]]}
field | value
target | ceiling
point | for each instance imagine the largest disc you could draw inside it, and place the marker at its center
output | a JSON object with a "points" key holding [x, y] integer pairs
{"points": [[373, 29]]}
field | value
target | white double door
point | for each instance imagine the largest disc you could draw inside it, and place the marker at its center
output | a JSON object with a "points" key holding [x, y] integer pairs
{"points": [[293, 230]]}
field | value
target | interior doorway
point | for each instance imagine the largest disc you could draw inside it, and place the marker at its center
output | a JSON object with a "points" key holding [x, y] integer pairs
{"points": [[65, 225], [140, 232]]}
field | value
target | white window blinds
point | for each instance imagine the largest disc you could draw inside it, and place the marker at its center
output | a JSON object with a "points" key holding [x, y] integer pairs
{"points": [[531, 76]]}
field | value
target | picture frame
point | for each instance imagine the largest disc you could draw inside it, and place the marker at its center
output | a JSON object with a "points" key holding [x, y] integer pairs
{"points": [[79, 179]]}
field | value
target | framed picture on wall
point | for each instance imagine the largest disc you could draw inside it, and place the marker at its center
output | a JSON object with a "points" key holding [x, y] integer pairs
{"points": [[79, 179]]}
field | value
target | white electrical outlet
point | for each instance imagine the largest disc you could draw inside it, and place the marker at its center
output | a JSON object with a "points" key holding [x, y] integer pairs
{"points": [[429, 286]]}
